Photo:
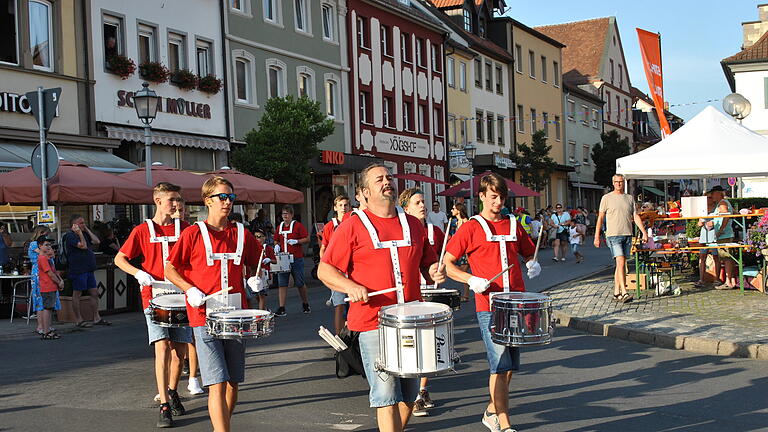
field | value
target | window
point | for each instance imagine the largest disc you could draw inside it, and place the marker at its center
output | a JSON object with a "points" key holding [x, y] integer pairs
{"points": [[594, 118], [556, 73], [467, 20], [611, 65], [420, 54], [608, 101], [275, 83], [238, 5], [481, 29], [301, 15], [479, 126], [9, 32], [176, 51], [621, 76], [491, 128], [112, 32], [332, 98], [423, 119], [386, 104], [362, 34], [532, 61], [543, 69], [518, 59], [618, 109], [534, 126], [365, 109], [195, 159], [585, 154], [204, 58], [304, 84], [462, 76], [488, 76], [584, 115], [545, 123], [272, 10], [243, 80], [329, 32], [520, 119], [405, 47], [500, 124], [386, 46], [407, 117], [571, 105], [626, 113], [449, 72], [147, 44], [571, 151], [499, 80], [436, 58], [557, 128], [451, 130], [478, 73], [438, 121], [463, 130]]}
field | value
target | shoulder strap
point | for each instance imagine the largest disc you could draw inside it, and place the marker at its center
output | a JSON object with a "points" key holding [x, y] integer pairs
{"points": [[206, 242]]}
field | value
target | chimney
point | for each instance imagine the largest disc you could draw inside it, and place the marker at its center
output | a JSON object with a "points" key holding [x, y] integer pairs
{"points": [[753, 30]]}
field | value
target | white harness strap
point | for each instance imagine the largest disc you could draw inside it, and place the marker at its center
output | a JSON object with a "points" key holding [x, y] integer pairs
{"points": [[224, 257], [164, 240], [391, 244], [285, 234], [431, 238], [502, 240], [335, 222]]}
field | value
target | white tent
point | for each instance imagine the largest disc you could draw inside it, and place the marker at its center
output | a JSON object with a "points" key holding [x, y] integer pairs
{"points": [[711, 145]]}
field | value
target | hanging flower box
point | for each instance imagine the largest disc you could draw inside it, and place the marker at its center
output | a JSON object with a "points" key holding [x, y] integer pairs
{"points": [[209, 84], [184, 79], [121, 65], [154, 72]]}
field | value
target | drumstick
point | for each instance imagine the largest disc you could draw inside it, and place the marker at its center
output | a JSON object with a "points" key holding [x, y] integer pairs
{"points": [[442, 252], [209, 296], [501, 273], [538, 242], [261, 257], [375, 293]]}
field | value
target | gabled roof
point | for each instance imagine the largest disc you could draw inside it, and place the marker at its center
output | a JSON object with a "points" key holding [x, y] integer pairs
{"points": [[447, 3], [475, 42], [585, 41], [412, 11], [757, 52], [570, 88]]}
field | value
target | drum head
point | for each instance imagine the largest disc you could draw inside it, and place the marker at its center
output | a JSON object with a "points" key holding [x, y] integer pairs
{"points": [[169, 300], [416, 311]]}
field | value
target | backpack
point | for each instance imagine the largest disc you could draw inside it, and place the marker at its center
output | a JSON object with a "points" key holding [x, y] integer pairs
{"points": [[62, 262]]}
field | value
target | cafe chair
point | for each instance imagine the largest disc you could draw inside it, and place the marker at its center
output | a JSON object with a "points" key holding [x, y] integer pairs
{"points": [[22, 294]]}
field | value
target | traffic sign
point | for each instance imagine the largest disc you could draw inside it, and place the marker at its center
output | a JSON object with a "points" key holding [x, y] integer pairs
{"points": [[732, 181], [50, 104], [457, 153], [51, 159]]}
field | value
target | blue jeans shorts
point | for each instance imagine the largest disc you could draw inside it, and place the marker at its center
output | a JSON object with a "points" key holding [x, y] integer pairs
{"points": [[337, 298], [575, 248], [177, 334], [221, 360], [297, 270], [619, 245], [501, 358], [83, 281], [386, 389]]}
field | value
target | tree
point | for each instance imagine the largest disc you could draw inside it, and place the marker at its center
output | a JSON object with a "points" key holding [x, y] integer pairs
{"points": [[285, 141], [604, 156], [534, 163]]}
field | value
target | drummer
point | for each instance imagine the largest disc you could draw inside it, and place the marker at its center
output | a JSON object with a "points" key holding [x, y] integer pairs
{"points": [[474, 239], [352, 252], [222, 361], [342, 208], [412, 201], [291, 237], [170, 343]]}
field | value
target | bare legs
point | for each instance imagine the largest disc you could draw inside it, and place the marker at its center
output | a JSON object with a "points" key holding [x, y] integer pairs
{"points": [[620, 276], [168, 360], [393, 418], [499, 389], [222, 398]]}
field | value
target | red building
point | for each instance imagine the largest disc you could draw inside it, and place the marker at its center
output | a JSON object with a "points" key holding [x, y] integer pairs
{"points": [[397, 91]]}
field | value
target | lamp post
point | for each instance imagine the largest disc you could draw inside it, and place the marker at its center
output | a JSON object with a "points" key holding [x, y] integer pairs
{"points": [[145, 102], [469, 152]]}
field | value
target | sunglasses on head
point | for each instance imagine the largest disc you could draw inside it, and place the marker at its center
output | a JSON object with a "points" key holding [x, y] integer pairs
{"points": [[224, 196]]}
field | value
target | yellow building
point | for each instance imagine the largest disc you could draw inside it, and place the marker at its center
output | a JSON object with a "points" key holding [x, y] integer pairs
{"points": [[457, 66]]}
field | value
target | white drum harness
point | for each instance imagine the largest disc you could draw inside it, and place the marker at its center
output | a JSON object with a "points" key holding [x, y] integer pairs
{"points": [[502, 240], [431, 238], [224, 257], [164, 240], [284, 234]]}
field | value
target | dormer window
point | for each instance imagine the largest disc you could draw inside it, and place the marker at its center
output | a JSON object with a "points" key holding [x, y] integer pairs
{"points": [[481, 30], [467, 20]]}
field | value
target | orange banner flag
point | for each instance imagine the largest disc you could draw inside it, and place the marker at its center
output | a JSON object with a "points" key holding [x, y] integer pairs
{"points": [[650, 48]]}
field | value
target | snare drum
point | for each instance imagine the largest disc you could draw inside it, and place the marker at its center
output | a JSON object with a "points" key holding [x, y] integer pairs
{"points": [[416, 339], [169, 310], [448, 297], [240, 324], [521, 319], [283, 263]]}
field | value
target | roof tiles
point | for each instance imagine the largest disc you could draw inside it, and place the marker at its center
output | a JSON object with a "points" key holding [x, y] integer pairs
{"points": [[584, 42], [757, 52]]}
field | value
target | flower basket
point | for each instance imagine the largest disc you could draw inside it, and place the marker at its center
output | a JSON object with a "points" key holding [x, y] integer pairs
{"points": [[184, 79], [121, 66], [154, 72], [757, 236], [209, 84]]}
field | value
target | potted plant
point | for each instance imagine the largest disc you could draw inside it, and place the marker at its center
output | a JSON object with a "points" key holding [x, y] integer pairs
{"points": [[184, 79], [209, 84], [154, 72], [121, 65], [757, 236]]}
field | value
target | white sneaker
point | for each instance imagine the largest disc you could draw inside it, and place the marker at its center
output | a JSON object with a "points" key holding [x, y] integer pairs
{"points": [[491, 421], [157, 397], [194, 386]]}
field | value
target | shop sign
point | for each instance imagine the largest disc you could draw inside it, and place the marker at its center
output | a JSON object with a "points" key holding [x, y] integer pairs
{"points": [[402, 145], [46, 217], [98, 212], [15, 103], [331, 157], [340, 180], [503, 162], [177, 106]]}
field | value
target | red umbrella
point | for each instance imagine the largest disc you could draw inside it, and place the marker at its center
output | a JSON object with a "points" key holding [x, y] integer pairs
{"points": [[190, 183], [462, 189], [255, 190], [419, 178], [73, 184]]}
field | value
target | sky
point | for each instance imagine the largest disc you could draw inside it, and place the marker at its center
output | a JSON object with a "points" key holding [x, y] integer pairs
{"points": [[695, 36]]}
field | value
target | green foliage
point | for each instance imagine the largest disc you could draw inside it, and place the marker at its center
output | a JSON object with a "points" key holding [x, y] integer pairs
{"points": [[692, 229], [534, 163], [285, 140], [604, 156]]}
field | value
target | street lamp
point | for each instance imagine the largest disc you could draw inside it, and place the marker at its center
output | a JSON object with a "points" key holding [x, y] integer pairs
{"points": [[737, 106], [469, 152], [145, 102]]}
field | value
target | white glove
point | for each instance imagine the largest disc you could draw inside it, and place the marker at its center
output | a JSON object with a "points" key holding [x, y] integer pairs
{"points": [[478, 285], [534, 268], [293, 242], [144, 278], [195, 297], [254, 283], [265, 261], [277, 249]]}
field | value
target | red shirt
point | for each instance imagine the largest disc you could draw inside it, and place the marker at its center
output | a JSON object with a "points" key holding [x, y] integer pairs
{"points": [[298, 233], [438, 238], [484, 258], [351, 251], [328, 230], [188, 257], [138, 244], [45, 282]]}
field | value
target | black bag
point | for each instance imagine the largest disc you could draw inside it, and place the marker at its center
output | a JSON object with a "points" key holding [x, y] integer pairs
{"points": [[61, 262], [349, 362]]}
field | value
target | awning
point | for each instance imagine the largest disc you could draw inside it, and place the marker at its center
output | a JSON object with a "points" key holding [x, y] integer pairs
{"points": [[654, 191], [167, 138], [13, 156], [461, 177]]}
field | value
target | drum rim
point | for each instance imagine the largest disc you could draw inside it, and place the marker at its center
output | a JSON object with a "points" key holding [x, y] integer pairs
{"points": [[218, 315], [446, 314], [532, 296]]}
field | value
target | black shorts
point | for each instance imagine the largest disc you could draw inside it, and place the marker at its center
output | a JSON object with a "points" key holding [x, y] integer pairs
{"points": [[49, 300], [563, 236]]}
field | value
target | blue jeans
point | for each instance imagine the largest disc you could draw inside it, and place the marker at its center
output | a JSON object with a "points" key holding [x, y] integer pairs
{"points": [[174, 334], [221, 360], [386, 390], [297, 270], [619, 245], [501, 358]]}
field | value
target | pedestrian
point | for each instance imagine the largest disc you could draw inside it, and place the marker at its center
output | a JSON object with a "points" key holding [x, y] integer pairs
{"points": [[152, 241], [5, 243], [483, 239], [524, 219], [536, 227], [459, 213], [618, 210], [269, 258], [356, 262], [290, 238], [576, 238], [32, 249], [262, 223], [50, 283], [79, 242], [559, 220], [194, 266], [724, 232], [437, 217]]}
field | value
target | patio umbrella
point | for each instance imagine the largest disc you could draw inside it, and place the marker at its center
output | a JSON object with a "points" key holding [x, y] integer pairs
{"points": [[252, 189], [190, 183], [73, 184], [419, 178], [462, 189]]}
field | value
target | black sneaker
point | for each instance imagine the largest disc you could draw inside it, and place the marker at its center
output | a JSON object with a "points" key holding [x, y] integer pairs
{"points": [[280, 311], [176, 407], [185, 371], [166, 418], [306, 308]]}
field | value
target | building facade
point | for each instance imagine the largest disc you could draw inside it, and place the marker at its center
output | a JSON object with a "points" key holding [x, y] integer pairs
{"points": [[457, 64], [582, 131]]}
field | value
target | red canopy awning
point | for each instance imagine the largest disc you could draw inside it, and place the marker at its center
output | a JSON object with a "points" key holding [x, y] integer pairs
{"points": [[419, 178], [252, 189], [73, 184], [190, 183], [462, 189]]}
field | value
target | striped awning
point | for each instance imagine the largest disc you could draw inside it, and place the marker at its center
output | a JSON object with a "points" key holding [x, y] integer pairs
{"points": [[167, 138]]}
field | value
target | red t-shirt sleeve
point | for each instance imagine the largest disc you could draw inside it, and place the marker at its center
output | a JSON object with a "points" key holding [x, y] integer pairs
{"points": [[339, 251], [327, 233], [132, 247], [459, 243]]}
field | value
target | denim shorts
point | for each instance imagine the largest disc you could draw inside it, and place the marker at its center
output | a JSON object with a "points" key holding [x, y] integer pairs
{"points": [[83, 281], [575, 248], [386, 390], [337, 298], [176, 334], [501, 358], [297, 270], [221, 360], [619, 245]]}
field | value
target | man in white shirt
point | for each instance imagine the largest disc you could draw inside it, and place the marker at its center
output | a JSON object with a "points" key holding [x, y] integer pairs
{"points": [[437, 217]]}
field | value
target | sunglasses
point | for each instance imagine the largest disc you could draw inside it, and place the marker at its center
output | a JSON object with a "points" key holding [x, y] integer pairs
{"points": [[258, 236], [224, 196]]}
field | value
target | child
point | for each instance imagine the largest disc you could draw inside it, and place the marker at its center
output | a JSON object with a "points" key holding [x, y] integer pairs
{"points": [[576, 232], [49, 282], [269, 258]]}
